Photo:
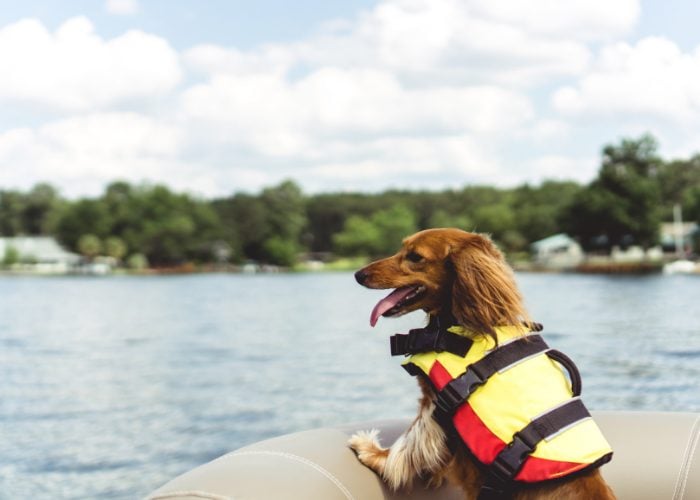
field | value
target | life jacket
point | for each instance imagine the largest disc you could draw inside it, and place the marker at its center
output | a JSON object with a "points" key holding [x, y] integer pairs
{"points": [[511, 404]]}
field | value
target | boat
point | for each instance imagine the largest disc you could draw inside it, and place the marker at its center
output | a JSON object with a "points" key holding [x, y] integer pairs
{"points": [[681, 266], [656, 457]]}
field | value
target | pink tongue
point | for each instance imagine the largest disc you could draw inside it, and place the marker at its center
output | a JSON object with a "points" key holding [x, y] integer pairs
{"points": [[388, 302]]}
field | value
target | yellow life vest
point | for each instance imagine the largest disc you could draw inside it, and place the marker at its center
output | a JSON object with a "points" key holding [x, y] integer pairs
{"points": [[514, 402]]}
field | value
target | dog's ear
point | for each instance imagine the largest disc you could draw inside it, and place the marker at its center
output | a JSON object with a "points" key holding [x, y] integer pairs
{"points": [[484, 293]]}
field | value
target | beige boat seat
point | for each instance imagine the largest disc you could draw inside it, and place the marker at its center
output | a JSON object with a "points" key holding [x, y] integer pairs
{"points": [[656, 457]]}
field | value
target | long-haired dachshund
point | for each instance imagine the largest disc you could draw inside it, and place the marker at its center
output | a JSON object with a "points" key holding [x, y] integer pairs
{"points": [[461, 280]]}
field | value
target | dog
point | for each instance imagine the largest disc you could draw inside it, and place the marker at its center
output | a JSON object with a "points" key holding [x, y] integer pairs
{"points": [[459, 279]]}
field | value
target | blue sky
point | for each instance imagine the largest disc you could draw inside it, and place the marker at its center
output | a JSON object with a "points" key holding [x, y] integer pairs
{"points": [[240, 23], [214, 97]]}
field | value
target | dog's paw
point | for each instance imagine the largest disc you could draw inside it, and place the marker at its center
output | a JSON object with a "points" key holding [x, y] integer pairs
{"points": [[368, 450]]}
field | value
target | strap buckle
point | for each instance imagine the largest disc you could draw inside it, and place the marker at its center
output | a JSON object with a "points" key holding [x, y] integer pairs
{"points": [[458, 390], [398, 344], [415, 341], [510, 460], [429, 340]]}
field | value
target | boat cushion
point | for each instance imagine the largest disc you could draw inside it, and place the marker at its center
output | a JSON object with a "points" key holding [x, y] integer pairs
{"points": [[657, 457]]}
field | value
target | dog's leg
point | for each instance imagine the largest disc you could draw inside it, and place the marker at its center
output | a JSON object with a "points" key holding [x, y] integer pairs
{"points": [[421, 449]]}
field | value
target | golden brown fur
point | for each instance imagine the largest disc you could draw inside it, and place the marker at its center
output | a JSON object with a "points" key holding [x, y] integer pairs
{"points": [[464, 275]]}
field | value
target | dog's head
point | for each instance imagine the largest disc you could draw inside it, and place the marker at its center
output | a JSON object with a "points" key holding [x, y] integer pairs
{"points": [[447, 271]]}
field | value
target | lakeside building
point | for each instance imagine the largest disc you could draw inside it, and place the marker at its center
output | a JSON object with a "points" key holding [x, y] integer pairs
{"points": [[679, 237], [678, 242], [40, 254], [559, 251]]}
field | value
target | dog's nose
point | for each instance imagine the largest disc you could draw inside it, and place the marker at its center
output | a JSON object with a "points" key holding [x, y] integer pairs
{"points": [[361, 276]]}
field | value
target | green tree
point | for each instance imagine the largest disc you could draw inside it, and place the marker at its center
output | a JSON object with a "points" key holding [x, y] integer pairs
{"points": [[494, 219], [11, 256], [115, 247], [39, 209], [11, 213], [285, 205], [381, 234], [539, 210], [691, 204], [513, 241], [89, 246], [168, 228], [85, 216], [123, 202], [268, 227], [137, 262], [677, 181], [281, 251], [676, 177], [359, 237], [328, 214], [285, 219], [394, 225], [621, 206], [243, 224], [440, 218]]}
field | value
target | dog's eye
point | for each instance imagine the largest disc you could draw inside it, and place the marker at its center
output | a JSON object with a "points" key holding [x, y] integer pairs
{"points": [[414, 256]]}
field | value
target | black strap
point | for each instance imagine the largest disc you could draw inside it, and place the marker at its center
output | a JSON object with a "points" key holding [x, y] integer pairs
{"points": [[510, 460], [566, 362], [494, 491], [454, 394], [426, 340]]}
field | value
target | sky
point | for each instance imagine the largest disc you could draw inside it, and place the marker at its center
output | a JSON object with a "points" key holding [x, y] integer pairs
{"points": [[215, 97]]}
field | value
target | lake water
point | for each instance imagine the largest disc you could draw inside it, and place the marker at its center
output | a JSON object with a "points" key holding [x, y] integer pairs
{"points": [[111, 386]]}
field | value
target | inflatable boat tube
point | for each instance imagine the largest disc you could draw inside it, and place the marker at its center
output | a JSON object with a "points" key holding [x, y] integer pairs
{"points": [[656, 457]]}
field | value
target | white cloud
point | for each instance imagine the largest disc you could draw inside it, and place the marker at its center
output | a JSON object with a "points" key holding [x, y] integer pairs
{"points": [[451, 41], [215, 60], [122, 7], [460, 40], [333, 102], [405, 162], [75, 69], [583, 20], [545, 130], [411, 93], [652, 79], [84, 152], [337, 125]]}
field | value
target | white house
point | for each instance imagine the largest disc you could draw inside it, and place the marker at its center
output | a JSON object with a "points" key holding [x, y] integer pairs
{"points": [[678, 237], [559, 251], [37, 253]]}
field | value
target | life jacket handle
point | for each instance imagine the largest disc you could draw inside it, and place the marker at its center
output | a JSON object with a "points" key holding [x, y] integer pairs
{"points": [[570, 367]]}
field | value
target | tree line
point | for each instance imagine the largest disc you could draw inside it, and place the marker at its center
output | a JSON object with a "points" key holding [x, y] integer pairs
{"points": [[633, 192]]}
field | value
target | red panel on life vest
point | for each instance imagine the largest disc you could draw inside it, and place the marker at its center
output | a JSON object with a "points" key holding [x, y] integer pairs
{"points": [[485, 445], [536, 469], [439, 376]]}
